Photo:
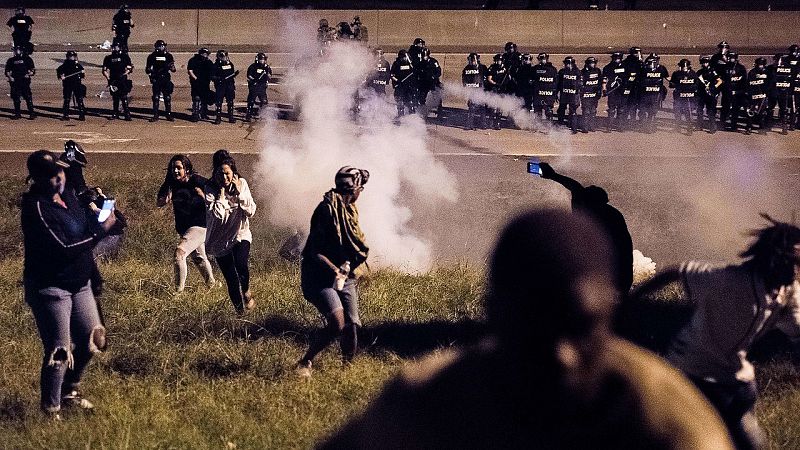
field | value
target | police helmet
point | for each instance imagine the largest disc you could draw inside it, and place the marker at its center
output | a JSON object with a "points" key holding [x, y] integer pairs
{"points": [[705, 60], [222, 54], [323, 23], [733, 56], [569, 60], [425, 53], [377, 52], [654, 56], [510, 47], [260, 56], [160, 45], [590, 60], [794, 49], [527, 58], [123, 7], [781, 59], [723, 44], [72, 53], [356, 20], [402, 54], [760, 61], [543, 57], [616, 56], [777, 57], [497, 57], [204, 51], [115, 47], [20, 10], [685, 63], [473, 58], [635, 51], [419, 42]]}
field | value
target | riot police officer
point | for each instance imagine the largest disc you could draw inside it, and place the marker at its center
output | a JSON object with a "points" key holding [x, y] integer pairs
{"points": [[21, 25], [415, 51], [19, 70], [684, 97], [614, 81], [325, 33], [794, 55], [591, 90], [258, 78], [781, 85], [70, 73], [512, 59], [795, 122], [116, 68], [757, 88], [651, 86], [734, 92], [710, 84], [381, 75], [360, 32], [404, 84], [473, 77], [545, 84], [428, 79], [633, 65], [719, 60], [497, 80], [526, 77], [224, 74], [568, 85], [121, 25], [159, 65], [199, 69]]}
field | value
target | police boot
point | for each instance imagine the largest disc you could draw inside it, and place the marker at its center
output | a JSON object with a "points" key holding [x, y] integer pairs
{"points": [[81, 110], [784, 127], [168, 108], [249, 114], [573, 123], [65, 110], [470, 121], [230, 113], [125, 110], [218, 120], [712, 126], [195, 111], [17, 114], [115, 112], [155, 110], [31, 114]]}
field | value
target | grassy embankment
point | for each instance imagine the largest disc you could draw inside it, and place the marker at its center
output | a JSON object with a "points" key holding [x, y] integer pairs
{"points": [[185, 372]]}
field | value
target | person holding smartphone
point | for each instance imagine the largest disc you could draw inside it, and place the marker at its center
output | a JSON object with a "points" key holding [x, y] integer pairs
{"points": [[334, 251], [184, 188], [229, 206], [59, 235]]}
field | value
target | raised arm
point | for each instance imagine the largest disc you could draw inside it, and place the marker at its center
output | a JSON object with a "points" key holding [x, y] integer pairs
{"points": [[549, 173]]}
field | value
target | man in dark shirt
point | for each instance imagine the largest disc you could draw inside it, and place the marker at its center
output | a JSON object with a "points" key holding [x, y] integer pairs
{"points": [[258, 77], [116, 68], [184, 188], [121, 25], [199, 68], [22, 30], [19, 70], [70, 73]]}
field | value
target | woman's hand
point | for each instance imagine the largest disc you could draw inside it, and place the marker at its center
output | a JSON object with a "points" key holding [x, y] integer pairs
{"points": [[237, 183], [110, 222]]}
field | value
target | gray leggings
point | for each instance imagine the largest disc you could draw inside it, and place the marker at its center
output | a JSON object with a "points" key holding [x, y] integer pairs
{"points": [[71, 331]]}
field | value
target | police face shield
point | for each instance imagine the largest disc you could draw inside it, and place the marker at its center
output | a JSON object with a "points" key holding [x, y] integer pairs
{"points": [[20, 11], [115, 48], [543, 59], [527, 60], [472, 60], [72, 57], [17, 51], [590, 63], [569, 63]]}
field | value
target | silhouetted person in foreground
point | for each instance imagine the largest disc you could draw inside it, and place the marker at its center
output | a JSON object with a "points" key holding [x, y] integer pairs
{"points": [[549, 373], [593, 201], [734, 306]]}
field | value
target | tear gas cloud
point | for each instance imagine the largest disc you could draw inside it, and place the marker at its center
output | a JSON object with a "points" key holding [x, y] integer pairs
{"points": [[297, 164]]}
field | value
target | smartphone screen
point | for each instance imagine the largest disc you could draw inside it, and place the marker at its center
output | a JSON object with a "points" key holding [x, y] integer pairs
{"points": [[533, 167], [108, 206]]}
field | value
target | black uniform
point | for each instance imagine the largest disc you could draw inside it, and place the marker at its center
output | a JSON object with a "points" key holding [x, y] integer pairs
{"points": [[73, 72], [591, 90], [498, 81], [429, 74], [121, 25], [710, 83], [650, 83], [633, 66], [258, 78], [512, 60], [118, 65], [796, 98], [202, 96], [719, 63], [684, 97], [780, 86], [545, 83], [734, 94], [158, 67], [19, 69], [757, 98], [473, 77], [380, 76], [526, 84], [21, 33], [568, 85], [224, 83], [614, 79], [404, 84]]}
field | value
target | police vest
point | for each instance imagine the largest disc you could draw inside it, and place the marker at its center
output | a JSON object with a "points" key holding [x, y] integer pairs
{"points": [[783, 78]]}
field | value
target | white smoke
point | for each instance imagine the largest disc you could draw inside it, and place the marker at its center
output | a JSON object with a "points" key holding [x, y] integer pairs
{"points": [[298, 161]]}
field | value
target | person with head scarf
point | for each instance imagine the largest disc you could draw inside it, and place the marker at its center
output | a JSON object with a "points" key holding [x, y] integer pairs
{"points": [[333, 255]]}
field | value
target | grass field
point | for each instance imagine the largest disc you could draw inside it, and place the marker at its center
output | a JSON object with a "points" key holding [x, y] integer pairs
{"points": [[185, 372]]}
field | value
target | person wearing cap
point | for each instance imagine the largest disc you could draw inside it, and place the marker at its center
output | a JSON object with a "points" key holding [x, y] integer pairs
{"points": [[710, 85], [591, 90], [59, 235], [360, 32], [224, 76], [334, 255], [734, 92], [258, 77], [158, 67], [19, 70], [684, 96], [199, 69], [734, 305], [121, 25], [21, 25], [116, 68], [229, 207], [613, 88], [71, 73]]}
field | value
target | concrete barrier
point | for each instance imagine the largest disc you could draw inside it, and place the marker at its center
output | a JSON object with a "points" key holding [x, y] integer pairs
{"points": [[281, 30]]}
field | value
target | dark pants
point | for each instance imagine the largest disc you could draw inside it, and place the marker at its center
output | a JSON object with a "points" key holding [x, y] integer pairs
{"points": [[736, 404], [162, 86], [22, 89], [569, 105], [79, 91], [588, 112], [123, 87], [121, 39], [201, 97], [256, 93], [616, 109], [235, 268], [405, 95], [707, 103], [70, 328], [649, 104], [475, 114], [784, 103], [757, 112], [683, 107]]}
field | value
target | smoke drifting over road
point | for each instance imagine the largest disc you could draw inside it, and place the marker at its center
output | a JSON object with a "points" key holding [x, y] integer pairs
{"points": [[296, 169]]}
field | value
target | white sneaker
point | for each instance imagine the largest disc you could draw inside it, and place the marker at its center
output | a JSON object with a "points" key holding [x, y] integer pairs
{"points": [[303, 369], [75, 400]]}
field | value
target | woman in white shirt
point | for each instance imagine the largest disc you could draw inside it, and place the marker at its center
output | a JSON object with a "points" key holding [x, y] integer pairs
{"points": [[229, 206]]}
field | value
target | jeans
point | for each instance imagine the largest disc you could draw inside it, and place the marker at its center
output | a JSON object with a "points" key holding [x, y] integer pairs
{"points": [[327, 300], [235, 269], [193, 242], [71, 332]]}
